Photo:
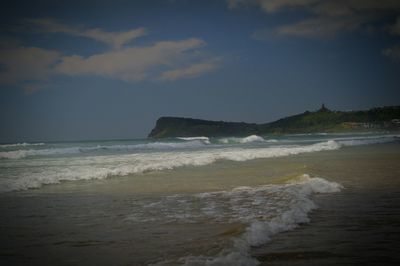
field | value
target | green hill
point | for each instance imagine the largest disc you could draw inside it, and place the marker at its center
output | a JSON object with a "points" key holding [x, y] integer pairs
{"points": [[323, 120]]}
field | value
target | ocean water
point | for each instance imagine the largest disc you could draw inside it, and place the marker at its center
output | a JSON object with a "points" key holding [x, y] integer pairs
{"points": [[197, 201]]}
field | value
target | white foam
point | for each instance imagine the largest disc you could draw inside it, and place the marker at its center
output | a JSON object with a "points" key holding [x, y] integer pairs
{"points": [[252, 138], [22, 153], [204, 139], [189, 143], [265, 210], [87, 167], [18, 154], [224, 140], [366, 140], [23, 144], [248, 139], [100, 167], [13, 154], [195, 143], [260, 231]]}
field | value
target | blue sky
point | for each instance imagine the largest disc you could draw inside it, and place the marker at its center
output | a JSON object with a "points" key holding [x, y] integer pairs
{"points": [[72, 70]]}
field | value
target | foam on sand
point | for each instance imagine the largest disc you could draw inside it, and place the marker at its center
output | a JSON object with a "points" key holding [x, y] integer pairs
{"points": [[264, 210]]}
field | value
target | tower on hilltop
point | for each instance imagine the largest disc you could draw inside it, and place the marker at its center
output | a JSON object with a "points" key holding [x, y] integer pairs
{"points": [[323, 109]]}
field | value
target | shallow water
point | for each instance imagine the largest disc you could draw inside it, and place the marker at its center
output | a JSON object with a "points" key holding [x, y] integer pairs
{"points": [[360, 225], [248, 212]]}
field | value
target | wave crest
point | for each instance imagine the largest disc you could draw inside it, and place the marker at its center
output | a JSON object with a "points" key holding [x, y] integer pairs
{"points": [[264, 210], [19, 154], [205, 139], [248, 139], [23, 144], [100, 167]]}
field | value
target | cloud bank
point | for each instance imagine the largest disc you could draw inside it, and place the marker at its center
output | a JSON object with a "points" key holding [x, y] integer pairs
{"points": [[28, 67], [329, 18], [191, 71], [129, 64], [326, 18], [113, 39]]}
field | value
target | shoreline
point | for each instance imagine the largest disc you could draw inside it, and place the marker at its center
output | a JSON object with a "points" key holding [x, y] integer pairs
{"points": [[359, 225], [57, 224], [221, 175]]}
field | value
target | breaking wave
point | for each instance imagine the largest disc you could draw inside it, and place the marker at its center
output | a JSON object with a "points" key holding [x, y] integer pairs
{"points": [[252, 138], [248, 139], [24, 144], [22, 153], [28, 150], [264, 210], [100, 167], [140, 158], [204, 139]]}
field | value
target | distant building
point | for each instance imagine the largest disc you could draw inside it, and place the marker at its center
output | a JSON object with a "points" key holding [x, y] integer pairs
{"points": [[323, 109]]}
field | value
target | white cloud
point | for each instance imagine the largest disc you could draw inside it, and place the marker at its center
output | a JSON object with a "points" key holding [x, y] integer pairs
{"points": [[354, 7], [327, 17], [318, 27], [31, 67], [191, 71], [271, 5], [326, 7], [130, 64], [114, 39], [322, 26]]}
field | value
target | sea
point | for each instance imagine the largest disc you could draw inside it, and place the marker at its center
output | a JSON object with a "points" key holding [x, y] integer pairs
{"points": [[297, 199]]}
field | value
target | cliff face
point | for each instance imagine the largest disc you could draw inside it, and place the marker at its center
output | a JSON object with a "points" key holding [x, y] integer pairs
{"points": [[323, 120], [188, 127]]}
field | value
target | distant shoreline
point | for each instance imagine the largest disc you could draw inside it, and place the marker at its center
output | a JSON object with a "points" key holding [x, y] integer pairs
{"points": [[323, 120]]}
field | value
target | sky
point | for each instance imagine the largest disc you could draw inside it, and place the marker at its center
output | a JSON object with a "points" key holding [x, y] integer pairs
{"points": [[87, 70]]}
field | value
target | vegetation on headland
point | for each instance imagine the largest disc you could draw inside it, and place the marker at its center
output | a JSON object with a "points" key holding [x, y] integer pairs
{"points": [[322, 120]]}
